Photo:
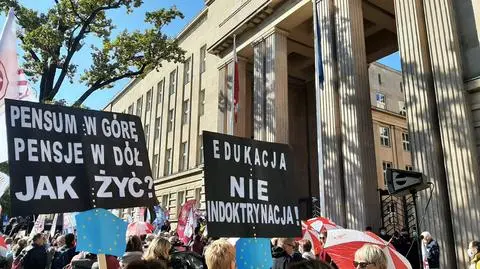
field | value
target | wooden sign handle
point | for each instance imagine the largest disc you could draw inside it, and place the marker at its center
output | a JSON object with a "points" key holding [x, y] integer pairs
{"points": [[102, 261]]}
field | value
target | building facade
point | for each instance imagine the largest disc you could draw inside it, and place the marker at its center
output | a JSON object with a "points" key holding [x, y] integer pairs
{"points": [[438, 45]]}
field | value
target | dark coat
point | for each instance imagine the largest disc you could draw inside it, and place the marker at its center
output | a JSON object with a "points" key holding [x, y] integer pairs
{"points": [[63, 257], [433, 254], [281, 259], [35, 257]]}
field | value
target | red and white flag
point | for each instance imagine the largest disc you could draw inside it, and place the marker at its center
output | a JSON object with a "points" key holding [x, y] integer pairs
{"points": [[236, 85], [8, 76]]}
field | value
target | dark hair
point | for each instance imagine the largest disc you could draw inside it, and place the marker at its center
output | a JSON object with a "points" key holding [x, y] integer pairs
{"points": [[142, 264], [476, 244], [70, 240], [306, 245], [368, 229], [37, 236], [134, 243], [310, 264]]}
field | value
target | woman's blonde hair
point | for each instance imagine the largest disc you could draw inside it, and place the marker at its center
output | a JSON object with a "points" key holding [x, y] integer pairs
{"points": [[220, 255], [372, 254], [159, 248]]}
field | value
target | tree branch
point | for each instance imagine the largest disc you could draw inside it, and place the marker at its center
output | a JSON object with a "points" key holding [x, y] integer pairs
{"points": [[74, 8], [71, 51], [34, 55], [98, 85]]}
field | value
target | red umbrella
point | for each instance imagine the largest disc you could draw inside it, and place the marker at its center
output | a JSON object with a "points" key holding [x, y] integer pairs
{"points": [[342, 244], [139, 228], [312, 228]]}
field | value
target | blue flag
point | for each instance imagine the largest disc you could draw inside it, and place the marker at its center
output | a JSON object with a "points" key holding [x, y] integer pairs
{"points": [[253, 253], [101, 232]]}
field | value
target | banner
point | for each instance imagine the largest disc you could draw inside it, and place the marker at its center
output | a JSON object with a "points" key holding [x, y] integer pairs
{"points": [[39, 225], [138, 214], [248, 187], [69, 223], [4, 182], [65, 159], [185, 219]]}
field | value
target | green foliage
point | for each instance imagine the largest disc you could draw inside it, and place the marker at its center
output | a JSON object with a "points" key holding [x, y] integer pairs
{"points": [[4, 167], [51, 39]]}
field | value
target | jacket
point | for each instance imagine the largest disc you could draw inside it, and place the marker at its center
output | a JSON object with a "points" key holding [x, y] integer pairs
{"points": [[129, 257], [475, 262], [63, 257], [35, 257], [280, 258], [309, 256], [433, 254]]}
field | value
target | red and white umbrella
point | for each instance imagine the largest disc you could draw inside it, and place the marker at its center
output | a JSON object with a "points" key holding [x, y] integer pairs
{"points": [[312, 228], [139, 228], [342, 244]]}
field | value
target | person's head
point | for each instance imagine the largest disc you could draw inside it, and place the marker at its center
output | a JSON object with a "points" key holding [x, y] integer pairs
{"points": [[60, 241], [158, 249], [70, 240], [383, 231], [274, 241], [368, 229], [142, 264], [134, 244], [370, 257], [396, 234], [404, 232], [287, 244], [473, 248], [12, 220], [38, 239], [426, 237], [309, 264], [220, 254], [305, 245], [323, 237]]}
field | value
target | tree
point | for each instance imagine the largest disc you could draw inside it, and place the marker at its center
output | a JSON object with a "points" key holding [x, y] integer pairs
{"points": [[51, 39]]}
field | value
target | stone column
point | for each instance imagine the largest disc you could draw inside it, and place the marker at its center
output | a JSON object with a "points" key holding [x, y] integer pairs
{"points": [[271, 105], [328, 120], [259, 89], [423, 124], [460, 156], [362, 199], [241, 128]]}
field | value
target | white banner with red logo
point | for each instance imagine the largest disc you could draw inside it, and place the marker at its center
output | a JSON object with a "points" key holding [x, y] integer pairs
{"points": [[39, 225], [186, 221]]}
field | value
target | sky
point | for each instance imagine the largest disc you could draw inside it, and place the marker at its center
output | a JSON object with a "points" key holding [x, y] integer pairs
{"points": [[131, 22]]}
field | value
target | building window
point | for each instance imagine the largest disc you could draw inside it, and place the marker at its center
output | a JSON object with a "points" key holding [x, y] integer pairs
{"points": [[148, 107], [165, 201], [139, 106], [147, 133], [160, 87], [180, 201], [203, 58], [156, 132], [155, 165], [168, 162], [386, 165], [186, 71], [171, 88], [403, 110], [381, 102], [201, 103], [200, 149], [198, 196], [408, 167], [170, 120], [183, 156], [186, 111], [405, 142], [385, 136], [130, 109], [379, 79]]}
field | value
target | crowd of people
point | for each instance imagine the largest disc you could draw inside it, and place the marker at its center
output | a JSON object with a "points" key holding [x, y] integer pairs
{"points": [[166, 250]]}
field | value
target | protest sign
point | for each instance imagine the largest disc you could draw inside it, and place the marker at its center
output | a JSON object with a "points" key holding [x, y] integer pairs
{"points": [[248, 187], [39, 225], [66, 159]]}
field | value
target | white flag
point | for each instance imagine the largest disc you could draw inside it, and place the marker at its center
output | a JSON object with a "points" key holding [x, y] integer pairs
{"points": [[8, 76], [39, 225], [53, 229]]}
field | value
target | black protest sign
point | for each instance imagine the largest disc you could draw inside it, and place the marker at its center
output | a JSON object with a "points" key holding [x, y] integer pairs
{"points": [[66, 159], [248, 187]]}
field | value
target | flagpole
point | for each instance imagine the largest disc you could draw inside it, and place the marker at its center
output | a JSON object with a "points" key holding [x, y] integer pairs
{"points": [[318, 100]]}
